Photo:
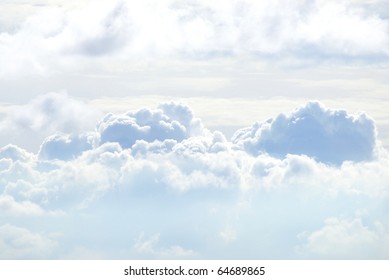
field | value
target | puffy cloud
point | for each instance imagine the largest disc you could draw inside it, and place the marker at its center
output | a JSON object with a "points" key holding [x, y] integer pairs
{"points": [[20, 243], [65, 147], [209, 143], [27, 125], [170, 121], [346, 239], [15, 153], [18, 177], [143, 147], [206, 143], [330, 136], [201, 193]]}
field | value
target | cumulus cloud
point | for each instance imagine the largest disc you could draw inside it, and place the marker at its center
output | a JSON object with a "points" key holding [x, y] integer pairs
{"points": [[95, 185], [160, 171], [15, 153], [170, 121], [65, 147], [330, 136], [27, 125]]}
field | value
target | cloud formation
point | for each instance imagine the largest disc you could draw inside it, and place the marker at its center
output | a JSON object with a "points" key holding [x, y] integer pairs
{"points": [[65, 147], [330, 136], [45, 115], [8, 206], [157, 184], [194, 29], [347, 239], [172, 121]]}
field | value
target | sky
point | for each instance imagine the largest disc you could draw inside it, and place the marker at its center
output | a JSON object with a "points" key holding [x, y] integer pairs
{"points": [[194, 129]]}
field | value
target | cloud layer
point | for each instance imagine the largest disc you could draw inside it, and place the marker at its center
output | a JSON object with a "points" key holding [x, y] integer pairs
{"points": [[155, 183], [158, 183], [59, 38], [52, 113]]}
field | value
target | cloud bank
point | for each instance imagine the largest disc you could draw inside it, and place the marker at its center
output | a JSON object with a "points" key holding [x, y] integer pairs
{"points": [[155, 183], [313, 30]]}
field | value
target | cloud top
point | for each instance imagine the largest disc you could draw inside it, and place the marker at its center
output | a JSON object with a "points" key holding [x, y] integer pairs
{"points": [[154, 183], [170, 121], [330, 136]]}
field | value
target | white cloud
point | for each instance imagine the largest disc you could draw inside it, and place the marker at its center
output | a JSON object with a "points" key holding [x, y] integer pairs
{"points": [[20, 243], [143, 147], [15, 153], [201, 189], [18, 178], [159, 170], [8, 206], [56, 39], [65, 147], [56, 111], [102, 32], [27, 125], [51, 38], [330, 136], [346, 239], [170, 121], [77, 184], [338, 27]]}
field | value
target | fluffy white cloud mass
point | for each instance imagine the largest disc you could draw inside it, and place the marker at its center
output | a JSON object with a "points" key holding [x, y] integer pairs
{"points": [[193, 29], [45, 115], [65, 147], [170, 121], [331, 136], [155, 183]]}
